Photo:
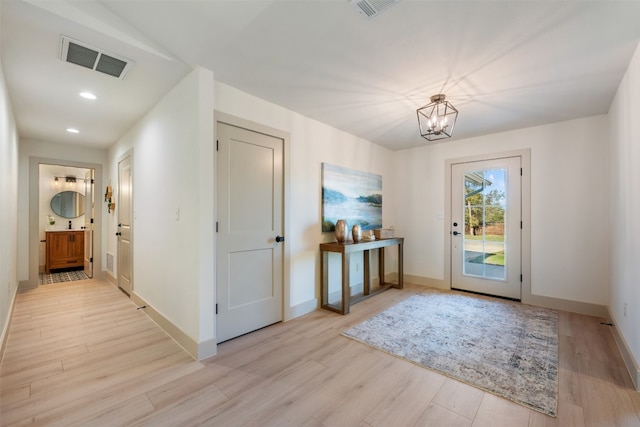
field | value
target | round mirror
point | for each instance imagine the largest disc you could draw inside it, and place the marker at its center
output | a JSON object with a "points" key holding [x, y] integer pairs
{"points": [[68, 204]]}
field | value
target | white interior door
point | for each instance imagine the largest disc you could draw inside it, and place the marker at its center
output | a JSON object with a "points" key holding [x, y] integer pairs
{"points": [[486, 222], [124, 233], [88, 222], [249, 255]]}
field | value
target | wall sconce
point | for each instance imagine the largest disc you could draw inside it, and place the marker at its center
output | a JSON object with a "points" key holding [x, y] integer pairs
{"points": [[71, 180], [55, 181]]}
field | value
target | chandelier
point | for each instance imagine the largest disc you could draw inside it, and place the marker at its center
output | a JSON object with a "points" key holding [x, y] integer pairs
{"points": [[437, 119]]}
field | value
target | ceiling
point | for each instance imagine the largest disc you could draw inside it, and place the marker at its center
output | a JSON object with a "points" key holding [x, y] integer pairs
{"points": [[503, 64]]}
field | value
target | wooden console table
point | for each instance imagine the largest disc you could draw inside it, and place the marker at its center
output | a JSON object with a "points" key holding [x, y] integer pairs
{"points": [[346, 249]]}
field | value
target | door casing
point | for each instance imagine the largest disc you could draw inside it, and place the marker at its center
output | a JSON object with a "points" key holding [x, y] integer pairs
{"points": [[89, 197]]}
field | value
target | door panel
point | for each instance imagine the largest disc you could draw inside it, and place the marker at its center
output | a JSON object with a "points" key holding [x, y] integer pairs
{"points": [[249, 260], [124, 207], [486, 227], [88, 223]]}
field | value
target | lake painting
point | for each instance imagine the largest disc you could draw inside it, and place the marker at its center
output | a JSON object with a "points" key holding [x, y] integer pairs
{"points": [[351, 195]]}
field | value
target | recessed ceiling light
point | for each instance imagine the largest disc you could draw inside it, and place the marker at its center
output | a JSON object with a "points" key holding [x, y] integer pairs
{"points": [[72, 130], [88, 95]]}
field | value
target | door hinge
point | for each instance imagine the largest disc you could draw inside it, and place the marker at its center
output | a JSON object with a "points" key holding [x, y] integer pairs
{"points": [[93, 181], [520, 225], [91, 259], [216, 226], [91, 220], [216, 308], [217, 145], [521, 277], [520, 171]]}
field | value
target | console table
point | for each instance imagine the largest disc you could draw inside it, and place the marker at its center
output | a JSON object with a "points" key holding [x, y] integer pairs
{"points": [[346, 249]]}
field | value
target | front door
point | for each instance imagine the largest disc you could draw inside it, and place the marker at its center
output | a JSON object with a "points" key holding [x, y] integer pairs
{"points": [[88, 223], [124, 233], [486, 226], [249, 280]]}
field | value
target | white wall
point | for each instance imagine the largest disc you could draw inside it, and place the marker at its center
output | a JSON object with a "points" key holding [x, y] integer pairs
{"points": [[311, 143], [569, 184], [625, 207], [172, 150], [9, 210]]}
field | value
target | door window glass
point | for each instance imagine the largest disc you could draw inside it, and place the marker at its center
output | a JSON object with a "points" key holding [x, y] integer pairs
{"points": [[485, 197]]}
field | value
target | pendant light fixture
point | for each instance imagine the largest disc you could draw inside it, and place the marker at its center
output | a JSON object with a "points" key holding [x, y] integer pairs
{"points": [[437, 119]]}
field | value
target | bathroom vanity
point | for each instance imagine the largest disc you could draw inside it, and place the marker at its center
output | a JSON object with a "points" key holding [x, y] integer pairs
{"points": [[65, 249]]}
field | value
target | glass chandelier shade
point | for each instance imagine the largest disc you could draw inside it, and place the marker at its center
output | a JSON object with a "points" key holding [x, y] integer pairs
{"points": [[437, 119]]}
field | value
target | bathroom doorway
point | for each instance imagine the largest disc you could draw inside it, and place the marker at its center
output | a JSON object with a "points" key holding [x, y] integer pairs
{"points": [[60, 212], [65, 223]]}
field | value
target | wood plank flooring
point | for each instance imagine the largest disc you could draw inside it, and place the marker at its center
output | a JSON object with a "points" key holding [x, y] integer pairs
{"points": [[80, 353]]}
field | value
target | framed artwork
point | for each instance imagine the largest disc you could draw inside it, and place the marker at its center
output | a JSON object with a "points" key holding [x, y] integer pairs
{"points": [[351, 195]]}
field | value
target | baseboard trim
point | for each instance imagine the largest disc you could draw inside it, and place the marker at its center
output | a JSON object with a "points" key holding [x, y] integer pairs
{"points": [[426, 281], [633, 367], [7, 326], [301, 309], [197, 350], [537, 300], [110, 278], [580, 307], [25, 285]]}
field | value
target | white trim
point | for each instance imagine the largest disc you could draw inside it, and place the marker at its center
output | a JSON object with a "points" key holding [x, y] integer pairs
{"points": [[5, 332], [303, 308], [632, 365], [538, 301]]}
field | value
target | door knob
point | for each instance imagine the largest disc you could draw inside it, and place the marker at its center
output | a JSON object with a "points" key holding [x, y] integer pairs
{"points": [[118, 234], [455, 233], [279, 239]]}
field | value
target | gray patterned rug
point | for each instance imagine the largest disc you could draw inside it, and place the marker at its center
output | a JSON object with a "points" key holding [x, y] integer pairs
{"points": [[62, 276], [505, 348]]}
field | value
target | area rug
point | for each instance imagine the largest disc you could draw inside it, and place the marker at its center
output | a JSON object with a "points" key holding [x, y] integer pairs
{"points": [[63, 276], [502, 347]]}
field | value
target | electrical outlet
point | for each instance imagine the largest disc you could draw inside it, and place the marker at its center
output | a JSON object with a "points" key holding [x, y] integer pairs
{"points": [[625, 309]]}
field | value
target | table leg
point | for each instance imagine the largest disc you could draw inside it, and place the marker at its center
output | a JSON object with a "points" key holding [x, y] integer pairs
{"points": [[381, 266], [367, 273], [324, 278], [400, 267], [346, 289]]}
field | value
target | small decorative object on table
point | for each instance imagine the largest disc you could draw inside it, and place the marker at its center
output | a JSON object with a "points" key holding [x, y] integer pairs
{"points": [[341, 230], [356, 231], [384, 233]]}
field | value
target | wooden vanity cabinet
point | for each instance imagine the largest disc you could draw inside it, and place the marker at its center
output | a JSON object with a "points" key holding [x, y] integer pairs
{"points": [[65, 249]]}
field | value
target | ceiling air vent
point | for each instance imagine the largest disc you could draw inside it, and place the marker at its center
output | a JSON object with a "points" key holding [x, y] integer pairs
{"points": [[88, 56], [372, 8]]}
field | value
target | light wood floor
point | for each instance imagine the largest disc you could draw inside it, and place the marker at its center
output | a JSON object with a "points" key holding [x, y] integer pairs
{"points": [[81, 354]]}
